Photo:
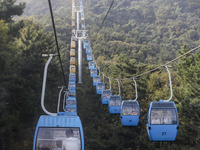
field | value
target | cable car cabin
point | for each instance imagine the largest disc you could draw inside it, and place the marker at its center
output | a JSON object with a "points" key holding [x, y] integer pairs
{"points": [[93, 72], [82, 15], [86, 43], [105, 96], [88, 50], [96, 79], [130, 113], [73, 24], [72, 69], [114, 104], [71, 100], [72, 61], [83, 26], [73, 18], [72, 53], [57, 132], [73, 43], [92, 64], [72, 86], [162, 121], [72, 93], [89, 57], [72, 77], [100, 87]]}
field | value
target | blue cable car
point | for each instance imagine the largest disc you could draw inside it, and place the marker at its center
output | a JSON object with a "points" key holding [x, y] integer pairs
{"points": [[72, 77], [57, 131], [86, 43], [83, 26], [72, 93], [163, 121], [92, 64], [105, 96], [130, 113], [114, 104], [93, 72], [96, 79], [89, 57], [82, 15], [88, 49], [100, 87], [72, 86]]}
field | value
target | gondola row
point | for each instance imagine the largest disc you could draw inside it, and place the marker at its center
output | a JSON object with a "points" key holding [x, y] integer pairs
{"points": [[61, 130], [162, 117]]}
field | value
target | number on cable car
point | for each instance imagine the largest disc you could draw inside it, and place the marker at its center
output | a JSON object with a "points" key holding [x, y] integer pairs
{"points": [[105, 96], [114, 104], [130, 113], [100, 87]]}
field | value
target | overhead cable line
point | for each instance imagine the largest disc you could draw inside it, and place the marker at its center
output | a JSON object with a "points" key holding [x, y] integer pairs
{"points": [[152, 70], [105, 16], [54, 29]]}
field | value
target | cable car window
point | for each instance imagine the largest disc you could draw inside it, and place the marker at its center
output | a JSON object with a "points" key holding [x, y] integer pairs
{"points": [[115, 102], [94, 71], [163, 116], [58, 138], [71, 102], [72, 68], [71, 94], [72, 76], [130, 109], [72, 84], [100, 86], [97, 79], [70, 109], [106, 94]]}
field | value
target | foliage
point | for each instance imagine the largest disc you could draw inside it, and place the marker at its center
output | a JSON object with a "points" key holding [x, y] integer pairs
{"points": [[137, 36]]}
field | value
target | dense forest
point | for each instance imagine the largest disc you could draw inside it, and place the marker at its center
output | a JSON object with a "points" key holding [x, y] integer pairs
{"points": [[138, 35]]}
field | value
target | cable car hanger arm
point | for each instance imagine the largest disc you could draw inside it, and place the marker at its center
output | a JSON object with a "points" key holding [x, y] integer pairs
{"points": [[44, 85]]}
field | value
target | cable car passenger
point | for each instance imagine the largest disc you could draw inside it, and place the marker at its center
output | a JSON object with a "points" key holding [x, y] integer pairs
{"points": [[163, 116], [71, 142], [58, 139], [155, 119]]}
